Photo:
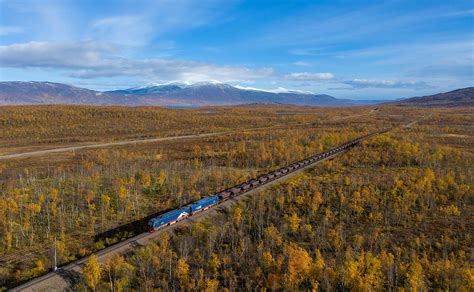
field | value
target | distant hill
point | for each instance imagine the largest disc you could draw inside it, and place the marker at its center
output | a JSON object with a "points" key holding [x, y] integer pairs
{"points": [[173, 94], [455, 98], [18, 93]]}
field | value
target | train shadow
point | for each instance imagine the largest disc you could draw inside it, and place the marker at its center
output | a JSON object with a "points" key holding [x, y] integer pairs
{"points": [[129, 229], [70, 276]]}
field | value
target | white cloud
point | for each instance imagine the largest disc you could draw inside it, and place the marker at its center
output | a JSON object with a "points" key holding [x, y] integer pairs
{"points": [[276, 90], [8, 30], [454, 68], [307, 76], [302, 63], [88, 60], [61, 55], [315, 28], [123, 29], [313, 51], [372, 83], [151, 20], [458, 13], [171, 69]]}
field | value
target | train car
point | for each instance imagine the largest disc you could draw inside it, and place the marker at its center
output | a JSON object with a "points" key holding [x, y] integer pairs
{"points": [[202, 204], [167, 219], [254, 182], [235, 190], [224, 195]]}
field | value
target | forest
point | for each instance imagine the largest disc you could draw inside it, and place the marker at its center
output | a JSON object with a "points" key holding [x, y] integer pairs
{"points": [[396, 212]]}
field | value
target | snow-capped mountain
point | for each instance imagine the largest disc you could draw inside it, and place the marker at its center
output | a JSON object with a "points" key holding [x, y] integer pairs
{"points": [[146, 90], [217, 93], [169, 94]]}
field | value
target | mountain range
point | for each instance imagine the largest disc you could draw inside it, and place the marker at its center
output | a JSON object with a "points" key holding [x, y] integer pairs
{"points": [[200, 94], [172, 94]]}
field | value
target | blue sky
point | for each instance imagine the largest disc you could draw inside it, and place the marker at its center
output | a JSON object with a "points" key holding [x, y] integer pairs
{"points": [[349, 49]]}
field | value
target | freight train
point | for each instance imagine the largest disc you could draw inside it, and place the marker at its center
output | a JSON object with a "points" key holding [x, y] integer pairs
{"points": [[176, 215], [179, 214]]}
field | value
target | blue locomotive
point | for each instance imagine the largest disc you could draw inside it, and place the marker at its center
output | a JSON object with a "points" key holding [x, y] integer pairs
{"points": [[203, 204], [174, 216], [167, 219]]}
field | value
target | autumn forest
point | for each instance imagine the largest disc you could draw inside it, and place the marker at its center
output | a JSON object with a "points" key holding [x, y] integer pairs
{"points": [[393, 213]]}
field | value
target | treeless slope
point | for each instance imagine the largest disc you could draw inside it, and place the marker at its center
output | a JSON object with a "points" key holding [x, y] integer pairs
{"points": [[455, 98]]}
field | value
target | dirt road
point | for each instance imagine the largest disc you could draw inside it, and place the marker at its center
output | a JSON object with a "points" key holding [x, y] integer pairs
{"points": [[151, 140], [101, 145]]}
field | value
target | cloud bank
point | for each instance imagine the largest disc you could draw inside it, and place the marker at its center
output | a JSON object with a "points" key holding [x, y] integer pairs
{"points": [[87, 60]]}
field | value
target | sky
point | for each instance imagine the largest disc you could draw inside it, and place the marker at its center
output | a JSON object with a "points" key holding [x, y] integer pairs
{"points": [[347, 49]]}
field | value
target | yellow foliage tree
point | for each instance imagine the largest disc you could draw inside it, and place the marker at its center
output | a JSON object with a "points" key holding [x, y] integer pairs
{"points": [[267, 260], [415, 276], [298, 266], [294, 222], [182, 273], [214, 263], [92, 272]]}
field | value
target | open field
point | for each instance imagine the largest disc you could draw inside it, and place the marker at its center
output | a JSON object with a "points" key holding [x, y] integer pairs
{"points": [[76, 196]]}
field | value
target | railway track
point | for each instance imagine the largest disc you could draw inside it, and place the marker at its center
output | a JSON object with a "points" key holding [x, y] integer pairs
{"points": [[63, 278]]}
